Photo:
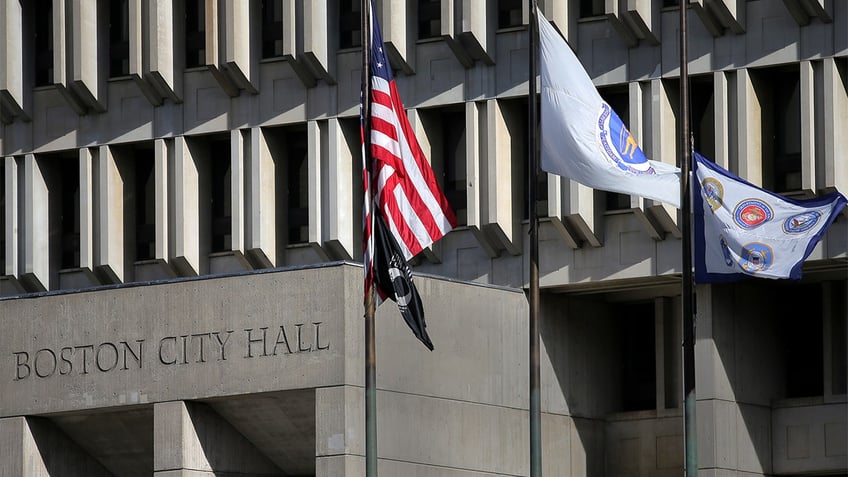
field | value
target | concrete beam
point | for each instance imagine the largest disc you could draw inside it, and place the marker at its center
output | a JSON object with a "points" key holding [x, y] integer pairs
{"points": [[192, 439]]}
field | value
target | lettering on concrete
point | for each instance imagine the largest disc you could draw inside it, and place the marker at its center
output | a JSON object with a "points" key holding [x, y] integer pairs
{"points": [[184, 349]]}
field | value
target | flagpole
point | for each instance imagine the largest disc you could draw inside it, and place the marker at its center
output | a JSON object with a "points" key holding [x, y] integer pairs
{"points": [[370, 301], [532, 176], [687, 293]]}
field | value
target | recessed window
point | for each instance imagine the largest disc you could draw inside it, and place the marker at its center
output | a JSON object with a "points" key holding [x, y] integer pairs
{"points": [[453, 154], [801, 338], [350, 24], [272, 28], [637, 365], [297, 181], [591, 8], [778, 91], [429, 19], [69, 210], [703, 114], [145, 205], [195, 33], [509, 13], [221, 176], [3, 200], [619, 100], [43, 16], [119, 38]]}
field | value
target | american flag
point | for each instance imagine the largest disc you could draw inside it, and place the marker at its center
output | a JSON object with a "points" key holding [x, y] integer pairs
{"points": [[406, 192]]}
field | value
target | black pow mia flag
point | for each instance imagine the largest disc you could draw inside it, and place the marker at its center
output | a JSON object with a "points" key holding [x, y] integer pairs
{"points": [[393, 279]]}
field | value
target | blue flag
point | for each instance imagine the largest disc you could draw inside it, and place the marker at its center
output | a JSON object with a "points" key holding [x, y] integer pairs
{"points": [[742, 230]]}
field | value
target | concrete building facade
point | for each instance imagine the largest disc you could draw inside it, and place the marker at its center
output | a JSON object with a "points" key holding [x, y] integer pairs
{"points": [[177, 173]]}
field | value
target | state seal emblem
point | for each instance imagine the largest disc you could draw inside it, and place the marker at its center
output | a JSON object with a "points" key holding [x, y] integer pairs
{"points": [[618, 145], [751, 213]]}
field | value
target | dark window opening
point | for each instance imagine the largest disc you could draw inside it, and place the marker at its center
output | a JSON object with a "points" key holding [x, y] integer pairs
{"points": [[145, 206], [429, 19], [591, 8], [778, 90], [195, 33], [618, 98], [43, 15], [350, 25], [221, 190], [638, 356], [516, 114], [799, 318], [509, 13], [839, 338], [3, 200], [70, 212], [453, 154], [272, 28], [297, 185], [670, 3], [703, 115], [119, 38]]}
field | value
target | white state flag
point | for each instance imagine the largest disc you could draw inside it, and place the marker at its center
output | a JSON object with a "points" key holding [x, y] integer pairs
{"points": [[742, 230], [584, 139]]}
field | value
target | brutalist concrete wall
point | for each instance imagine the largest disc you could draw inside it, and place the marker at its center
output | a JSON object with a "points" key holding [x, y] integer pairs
{"points": [[460, 410]]}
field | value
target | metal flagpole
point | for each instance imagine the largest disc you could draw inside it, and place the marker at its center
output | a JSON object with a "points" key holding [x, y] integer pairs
{"points": [[532, 176], [370, 302], [688, 294]]}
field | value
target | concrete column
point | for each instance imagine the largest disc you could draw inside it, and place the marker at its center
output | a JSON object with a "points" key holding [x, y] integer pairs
{"points": [[397, 19], [239, 154], [34, 447], [316, 45], [164, 74], [722, 101], [340, 208], [807, 93], [749, 152], [504, 175], [479, 21], [262, 213], [110, 256], [339, 432], [835, 105], [88, 197], [242, 66], [476, 150], [88, 79], [192, 440], [163, 173], [317, 144], [185, 209], [14, 92], [36, 226], [10, 211]]}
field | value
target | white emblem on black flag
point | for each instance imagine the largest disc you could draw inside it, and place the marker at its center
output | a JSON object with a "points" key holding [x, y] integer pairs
{"points": [[394, 280]]}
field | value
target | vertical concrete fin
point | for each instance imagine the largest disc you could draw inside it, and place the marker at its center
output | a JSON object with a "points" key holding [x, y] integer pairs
{"points": [[186, 253], [86, 208], [835, 102], [10, 211], [14, 93], [240, 62], [317, 145], [110, 262], [237, 188], [88, 81], [398, 24], [504, 176], [262, 187], [161, 69], [340, 208], [476, 150], [36, 217]]}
